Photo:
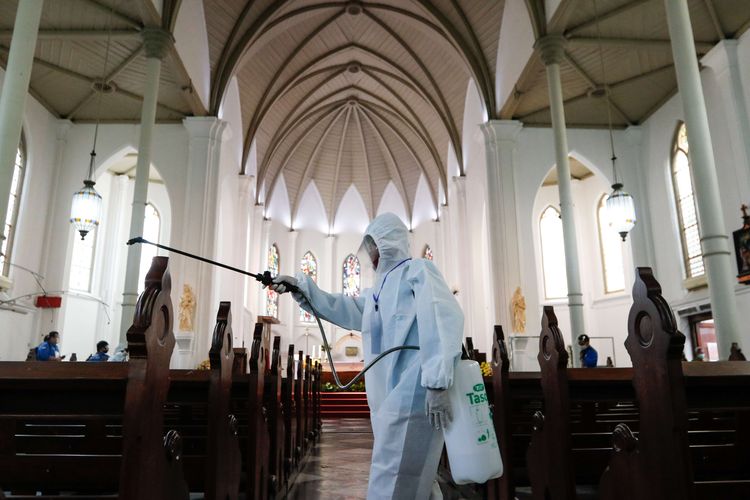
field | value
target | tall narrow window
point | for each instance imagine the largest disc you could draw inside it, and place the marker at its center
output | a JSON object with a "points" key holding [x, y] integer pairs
{"points": [[14, 203], [687, 213], [272, 298], [427, 254], [610, 246], [553, 254], [82, 264], [151, 229], [309, 266], [351, 276]]}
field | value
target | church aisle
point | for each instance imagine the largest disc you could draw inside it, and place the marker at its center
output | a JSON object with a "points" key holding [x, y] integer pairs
{"points": [[339, 466]]}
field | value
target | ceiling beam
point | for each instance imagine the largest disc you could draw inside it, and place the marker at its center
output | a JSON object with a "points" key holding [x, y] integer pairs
{"points": [[309, 172], [410, 149], [396, 174], [120, 16], [590, 81], [334, 187], [80, 34], [715, 19], [367, 163], [271, 186], [612, 86], [605, 16], [111, 76], [633, 43]]}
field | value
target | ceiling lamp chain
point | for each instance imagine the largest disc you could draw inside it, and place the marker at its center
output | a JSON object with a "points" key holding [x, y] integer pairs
{"points": [[620, 206], [86, 209]]}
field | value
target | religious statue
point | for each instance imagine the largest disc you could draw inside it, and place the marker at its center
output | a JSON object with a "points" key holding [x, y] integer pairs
{"points": [[518, 305], [187, 308]]}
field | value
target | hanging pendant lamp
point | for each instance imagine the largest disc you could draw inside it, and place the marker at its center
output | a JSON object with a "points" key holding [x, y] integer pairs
{"points": [[619, 206], [86, 208]]}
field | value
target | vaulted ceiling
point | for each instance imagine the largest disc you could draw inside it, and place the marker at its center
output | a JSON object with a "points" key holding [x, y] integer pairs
{"points": [[353, 92], [364, 93]]}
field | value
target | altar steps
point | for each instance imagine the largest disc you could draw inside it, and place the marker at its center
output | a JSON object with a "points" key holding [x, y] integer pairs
{"points": [[344, 405]]}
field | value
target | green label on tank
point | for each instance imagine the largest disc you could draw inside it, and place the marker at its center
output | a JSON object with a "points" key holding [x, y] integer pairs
{"points": [[477, 398], [478, 387]]}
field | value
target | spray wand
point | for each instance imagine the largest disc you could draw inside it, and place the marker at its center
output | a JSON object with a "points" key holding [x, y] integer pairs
{"points": [[266, 278]]}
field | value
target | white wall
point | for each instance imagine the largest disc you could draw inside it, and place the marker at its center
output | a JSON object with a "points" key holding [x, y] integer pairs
{"points": [[658, 133], [25, 328]]}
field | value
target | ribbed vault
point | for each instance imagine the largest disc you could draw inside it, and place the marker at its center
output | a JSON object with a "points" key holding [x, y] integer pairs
{"points": [[353, 93]]}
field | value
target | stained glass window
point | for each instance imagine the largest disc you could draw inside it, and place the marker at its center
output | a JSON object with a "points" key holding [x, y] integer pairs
{"points": [[272, 298], [611, 251], [687, 212], [553, 254], [427, 252], [352, 277], [14, 203], [151, 230], [309, 266]]}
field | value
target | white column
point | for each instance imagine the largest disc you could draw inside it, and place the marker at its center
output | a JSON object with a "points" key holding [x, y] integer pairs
{"points": [[500, 138], [636, 176], [265, 238], [714, 239], [334, 281], [722, 59], [14, 90], [464, 278], [199, 234], [552, 54], [245, 209], [156, 42], [290, 266]]}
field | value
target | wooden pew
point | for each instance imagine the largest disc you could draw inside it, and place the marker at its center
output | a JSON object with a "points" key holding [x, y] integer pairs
{"points": [[275, 418], [292, 452], [199, 406], [548, 456], [97, 428], [712, 426]]}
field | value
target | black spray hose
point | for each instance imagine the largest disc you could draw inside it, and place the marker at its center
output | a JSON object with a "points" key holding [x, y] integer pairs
{"points": [[267, 279]]}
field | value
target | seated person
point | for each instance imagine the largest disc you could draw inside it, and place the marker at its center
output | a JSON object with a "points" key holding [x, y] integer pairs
{"points": [[102, 347], [48, 349], [120, 355], [589, 356]]}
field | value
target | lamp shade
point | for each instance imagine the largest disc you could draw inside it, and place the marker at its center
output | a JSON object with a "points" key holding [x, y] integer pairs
{"points": [[620, 211], [86, 209]]}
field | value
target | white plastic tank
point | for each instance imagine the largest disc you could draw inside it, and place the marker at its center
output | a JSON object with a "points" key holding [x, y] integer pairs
{"points": [[473, 450]]}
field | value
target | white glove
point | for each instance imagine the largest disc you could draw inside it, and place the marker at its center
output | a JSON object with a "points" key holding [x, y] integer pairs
{"points": [[281, 283], [438, 408]]}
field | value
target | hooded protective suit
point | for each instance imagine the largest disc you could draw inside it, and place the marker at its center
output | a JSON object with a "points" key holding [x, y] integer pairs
{"points": [[410, 304]]}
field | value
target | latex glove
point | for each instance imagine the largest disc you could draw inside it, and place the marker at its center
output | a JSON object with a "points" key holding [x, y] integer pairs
{"points": [[438, 408], [281, 283]]}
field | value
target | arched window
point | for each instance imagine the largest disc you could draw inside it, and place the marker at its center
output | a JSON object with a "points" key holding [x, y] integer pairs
{"points": [[151, 230], [14, 203], [427, 254], [82, 263], [553, 254], [351, 276], [309, 266], [687, 214], [610, 247], [272, 298]]}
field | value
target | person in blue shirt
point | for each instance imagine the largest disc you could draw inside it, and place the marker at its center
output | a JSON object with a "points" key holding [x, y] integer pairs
{"points": [[102, 348], [48, 349], [589, 356]]}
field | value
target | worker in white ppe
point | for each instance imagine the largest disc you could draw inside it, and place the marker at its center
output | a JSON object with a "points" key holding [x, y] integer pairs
{"points": [[410, 304]]}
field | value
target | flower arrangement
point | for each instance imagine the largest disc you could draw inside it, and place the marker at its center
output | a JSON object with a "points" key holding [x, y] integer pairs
{"points": [[486, 369], [204, 365], [357, 387]]}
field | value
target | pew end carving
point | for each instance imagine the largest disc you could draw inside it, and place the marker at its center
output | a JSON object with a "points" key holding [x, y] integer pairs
{"points": [[549, 454]]}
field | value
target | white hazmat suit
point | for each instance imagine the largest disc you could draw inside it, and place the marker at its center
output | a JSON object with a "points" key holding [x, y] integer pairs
{"points": [[410, 304]]}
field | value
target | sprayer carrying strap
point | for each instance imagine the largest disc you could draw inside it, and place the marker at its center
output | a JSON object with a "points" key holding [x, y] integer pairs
{"points": [[376, 297]]}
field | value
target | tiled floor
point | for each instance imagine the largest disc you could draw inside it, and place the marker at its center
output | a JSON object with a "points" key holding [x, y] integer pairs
{"points": [[339, 466]]}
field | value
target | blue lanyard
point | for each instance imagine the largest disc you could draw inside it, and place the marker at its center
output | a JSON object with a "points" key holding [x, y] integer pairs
{"points": [[377, 297]]}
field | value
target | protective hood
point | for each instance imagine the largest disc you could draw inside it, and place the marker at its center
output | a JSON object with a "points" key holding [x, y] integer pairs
{"points": [[392, 238]]}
